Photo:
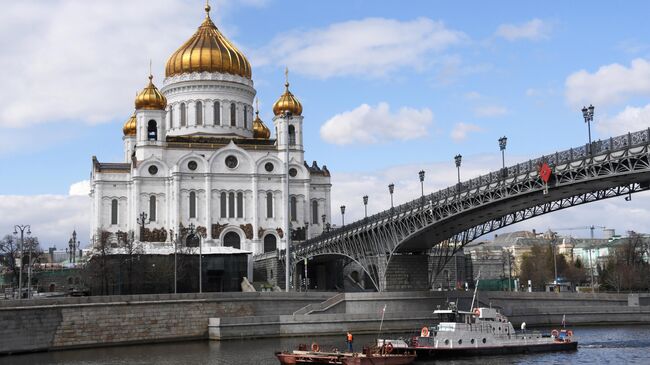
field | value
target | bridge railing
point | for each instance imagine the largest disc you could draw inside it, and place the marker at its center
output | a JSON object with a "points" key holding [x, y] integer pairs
{"points": [[622, 142]]}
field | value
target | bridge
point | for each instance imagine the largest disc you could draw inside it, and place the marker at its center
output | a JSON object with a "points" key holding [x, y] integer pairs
{"points": [[447, 220]]}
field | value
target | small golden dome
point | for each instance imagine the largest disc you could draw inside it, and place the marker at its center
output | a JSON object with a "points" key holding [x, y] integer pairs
{"points": [[260, 131], [287, 102], [208, 50], [150, 98], [130, 127]]}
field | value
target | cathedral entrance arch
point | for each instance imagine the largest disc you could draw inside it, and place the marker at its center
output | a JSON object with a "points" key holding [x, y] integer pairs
{"points": [[232, 239], [270, 242]]}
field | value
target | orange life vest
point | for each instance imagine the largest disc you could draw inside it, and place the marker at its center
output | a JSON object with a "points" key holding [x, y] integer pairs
{"points": [[349, 337]]}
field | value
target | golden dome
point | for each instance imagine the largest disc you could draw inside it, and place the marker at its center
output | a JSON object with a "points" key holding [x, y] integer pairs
{"points": [[208, 50], [287, 102], [260, 131], [150, 98], [130, 127]]}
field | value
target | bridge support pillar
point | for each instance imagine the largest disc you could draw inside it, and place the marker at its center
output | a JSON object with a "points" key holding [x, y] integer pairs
{"points": [[406, 273]]}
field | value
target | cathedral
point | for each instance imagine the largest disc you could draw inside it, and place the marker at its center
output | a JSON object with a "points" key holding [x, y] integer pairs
{"points": [[197, 156]]}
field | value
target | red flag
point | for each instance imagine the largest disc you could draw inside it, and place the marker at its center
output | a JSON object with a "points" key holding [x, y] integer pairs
{"points": [[545, 172]]}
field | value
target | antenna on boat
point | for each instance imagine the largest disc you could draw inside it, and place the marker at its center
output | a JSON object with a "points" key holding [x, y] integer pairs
{"points": [[475, 290], [383, 311]]}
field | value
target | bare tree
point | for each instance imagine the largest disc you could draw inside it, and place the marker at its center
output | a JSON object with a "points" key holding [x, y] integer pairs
{"points": [[131, 249], [99, 266], [9, 251]]}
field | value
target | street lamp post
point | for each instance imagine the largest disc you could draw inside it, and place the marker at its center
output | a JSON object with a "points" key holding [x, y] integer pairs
{"points": [[365, 206], [421, 175], [174, 237], [588, 114], [192, 230], [22, 228], [142, 220], [553, 244], [72, 247], [323, 218], [287, 117], [457, 160], [391, 189], [342, 215], [502, 146]]}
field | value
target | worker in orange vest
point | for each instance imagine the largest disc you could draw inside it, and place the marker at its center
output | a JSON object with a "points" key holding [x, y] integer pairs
{"points": [[349, 341]]}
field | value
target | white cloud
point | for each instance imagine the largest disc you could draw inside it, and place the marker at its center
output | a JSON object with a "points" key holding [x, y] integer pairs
{"points": [[489, 111], [535, 29], [473, 95], [370, 47], [611, 84], [461, 130], [631, 119], [51, 217], [367, 124], [81, 188], [84, 60], [348, 189]]}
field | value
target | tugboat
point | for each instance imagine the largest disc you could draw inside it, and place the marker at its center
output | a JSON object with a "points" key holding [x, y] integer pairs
{"points": [[370, 356], [482, 331]]}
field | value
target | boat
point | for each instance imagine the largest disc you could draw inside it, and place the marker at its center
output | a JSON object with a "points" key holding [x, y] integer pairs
{"points": [[369, 356], [483, 331]]}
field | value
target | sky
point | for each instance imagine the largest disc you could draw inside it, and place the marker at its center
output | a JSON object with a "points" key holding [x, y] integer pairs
{"points": [[388, 89]]}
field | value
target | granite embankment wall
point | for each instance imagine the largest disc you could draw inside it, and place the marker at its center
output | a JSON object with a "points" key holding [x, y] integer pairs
{"points": [[50, 324], [409, 311]]}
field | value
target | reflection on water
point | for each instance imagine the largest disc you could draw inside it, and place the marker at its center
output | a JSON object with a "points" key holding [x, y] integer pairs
{"points": [[598, 345]]}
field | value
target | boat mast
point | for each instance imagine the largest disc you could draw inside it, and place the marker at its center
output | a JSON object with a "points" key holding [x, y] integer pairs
{"points": [[475, 290]]}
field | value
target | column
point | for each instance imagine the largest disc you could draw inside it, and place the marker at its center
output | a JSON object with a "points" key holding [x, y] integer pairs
{"points": [[136, 204], [255, 210], [174, 212], [168, 220], [307, 209], [208, 205], [99, 212]]}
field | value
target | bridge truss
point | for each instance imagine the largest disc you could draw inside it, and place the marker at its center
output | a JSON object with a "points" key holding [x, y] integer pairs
{"points": [[446, 220]]}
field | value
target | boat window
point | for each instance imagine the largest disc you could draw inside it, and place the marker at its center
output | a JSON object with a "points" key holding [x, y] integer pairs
{"points": [[472, 341], [484, 340], [460, 342], [446, 341]]}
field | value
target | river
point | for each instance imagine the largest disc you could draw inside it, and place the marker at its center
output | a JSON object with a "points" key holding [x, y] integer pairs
{"points": [[597, 345]]}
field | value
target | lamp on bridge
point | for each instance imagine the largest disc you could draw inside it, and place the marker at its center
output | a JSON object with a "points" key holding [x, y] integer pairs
{"points": [[22, 228], [588, 114], [458, 159], [421, 175], [365, 205], [342, 215], [391, 189], [502, 146]]}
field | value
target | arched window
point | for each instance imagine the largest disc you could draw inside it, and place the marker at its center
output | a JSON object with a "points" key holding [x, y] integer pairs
{"points": [[232, 239], [314, 212], [223, 203], [233, 115], [114, 211], [199, 113], [183, 115], [245, 116], [293, 208], [269, 205], [231, 205], [240, 205], [152, 208], [270, 243], [217, 113], [292, 135], [171, 117], [152, 130], [192, 204]]}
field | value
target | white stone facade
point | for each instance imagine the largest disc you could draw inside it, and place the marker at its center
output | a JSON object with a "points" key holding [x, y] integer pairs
{"points": [[206, 169]]}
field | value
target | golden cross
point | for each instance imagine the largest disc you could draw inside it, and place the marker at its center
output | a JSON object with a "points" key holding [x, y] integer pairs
{"points": [[286, 75]]}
